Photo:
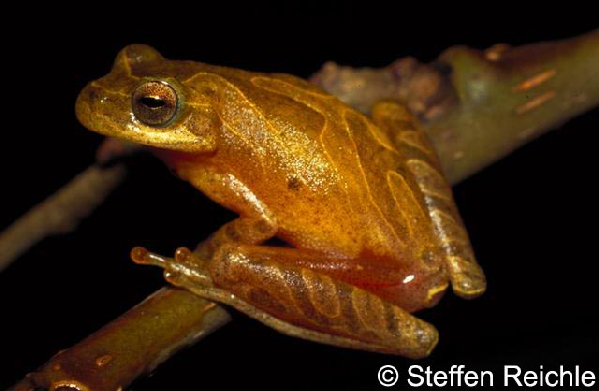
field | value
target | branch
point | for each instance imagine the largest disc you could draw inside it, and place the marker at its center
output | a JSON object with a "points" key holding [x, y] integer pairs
{"points": [[132, 345], [475, 106]]}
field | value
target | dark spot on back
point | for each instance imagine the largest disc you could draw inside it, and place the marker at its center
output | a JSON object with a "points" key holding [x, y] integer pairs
{"points": [[293, 183]]}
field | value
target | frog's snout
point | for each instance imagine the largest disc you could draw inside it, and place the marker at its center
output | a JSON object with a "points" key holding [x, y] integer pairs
{"points": [[84, 103], [99, 110]]}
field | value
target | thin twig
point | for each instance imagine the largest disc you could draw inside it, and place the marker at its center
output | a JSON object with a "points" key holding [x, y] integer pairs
{"points": [[61, 212]]}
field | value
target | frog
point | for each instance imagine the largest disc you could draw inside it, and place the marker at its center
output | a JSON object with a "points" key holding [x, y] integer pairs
{"points": [[345, 223]]}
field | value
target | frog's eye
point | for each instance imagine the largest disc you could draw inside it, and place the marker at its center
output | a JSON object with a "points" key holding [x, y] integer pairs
{"points": [[154, 103]]}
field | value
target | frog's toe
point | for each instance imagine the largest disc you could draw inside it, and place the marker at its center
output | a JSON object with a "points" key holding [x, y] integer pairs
{"points": [[469, 287], [467, 278], [142, 256], [183, 255]]}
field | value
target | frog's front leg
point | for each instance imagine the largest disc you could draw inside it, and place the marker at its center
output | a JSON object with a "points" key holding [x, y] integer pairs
{"points": [[255, 223], [244, 229], [268, 284]]}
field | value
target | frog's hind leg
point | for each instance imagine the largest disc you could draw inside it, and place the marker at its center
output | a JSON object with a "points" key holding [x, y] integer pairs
{"points": [[467, 278], [294, 300]]}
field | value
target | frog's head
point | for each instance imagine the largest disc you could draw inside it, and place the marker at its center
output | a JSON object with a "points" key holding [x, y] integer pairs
{"points": [[143, 100]]}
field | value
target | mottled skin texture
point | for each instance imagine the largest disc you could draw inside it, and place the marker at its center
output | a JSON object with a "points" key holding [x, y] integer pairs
{"points": [[372, 229]]}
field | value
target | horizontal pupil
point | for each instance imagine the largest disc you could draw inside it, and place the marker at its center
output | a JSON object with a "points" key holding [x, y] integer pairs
{"points": [[152, 102]]}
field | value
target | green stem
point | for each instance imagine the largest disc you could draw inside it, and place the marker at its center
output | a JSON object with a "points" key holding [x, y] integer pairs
{"points": [[478, 106], [507, 102]]}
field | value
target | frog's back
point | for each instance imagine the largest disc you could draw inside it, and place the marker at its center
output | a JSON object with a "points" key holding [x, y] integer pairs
{"points": [[342, 176]]}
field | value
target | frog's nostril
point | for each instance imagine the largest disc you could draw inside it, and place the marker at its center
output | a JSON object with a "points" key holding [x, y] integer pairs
{"points": [[83, 105], [92, 94]]}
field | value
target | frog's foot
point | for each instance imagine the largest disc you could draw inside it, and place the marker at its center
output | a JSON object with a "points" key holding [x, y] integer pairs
{"points": [[467, 278], [185, 265]]}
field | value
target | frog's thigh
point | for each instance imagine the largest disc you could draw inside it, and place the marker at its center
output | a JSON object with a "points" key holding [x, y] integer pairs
{"points": [[300, 302], [466, 275]]}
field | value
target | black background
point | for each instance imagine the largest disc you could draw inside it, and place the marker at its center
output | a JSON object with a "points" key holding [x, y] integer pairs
{"points": [[532, 217]]}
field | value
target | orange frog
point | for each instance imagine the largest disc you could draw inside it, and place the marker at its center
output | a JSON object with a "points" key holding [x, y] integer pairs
{"points": [[371, 228]]}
